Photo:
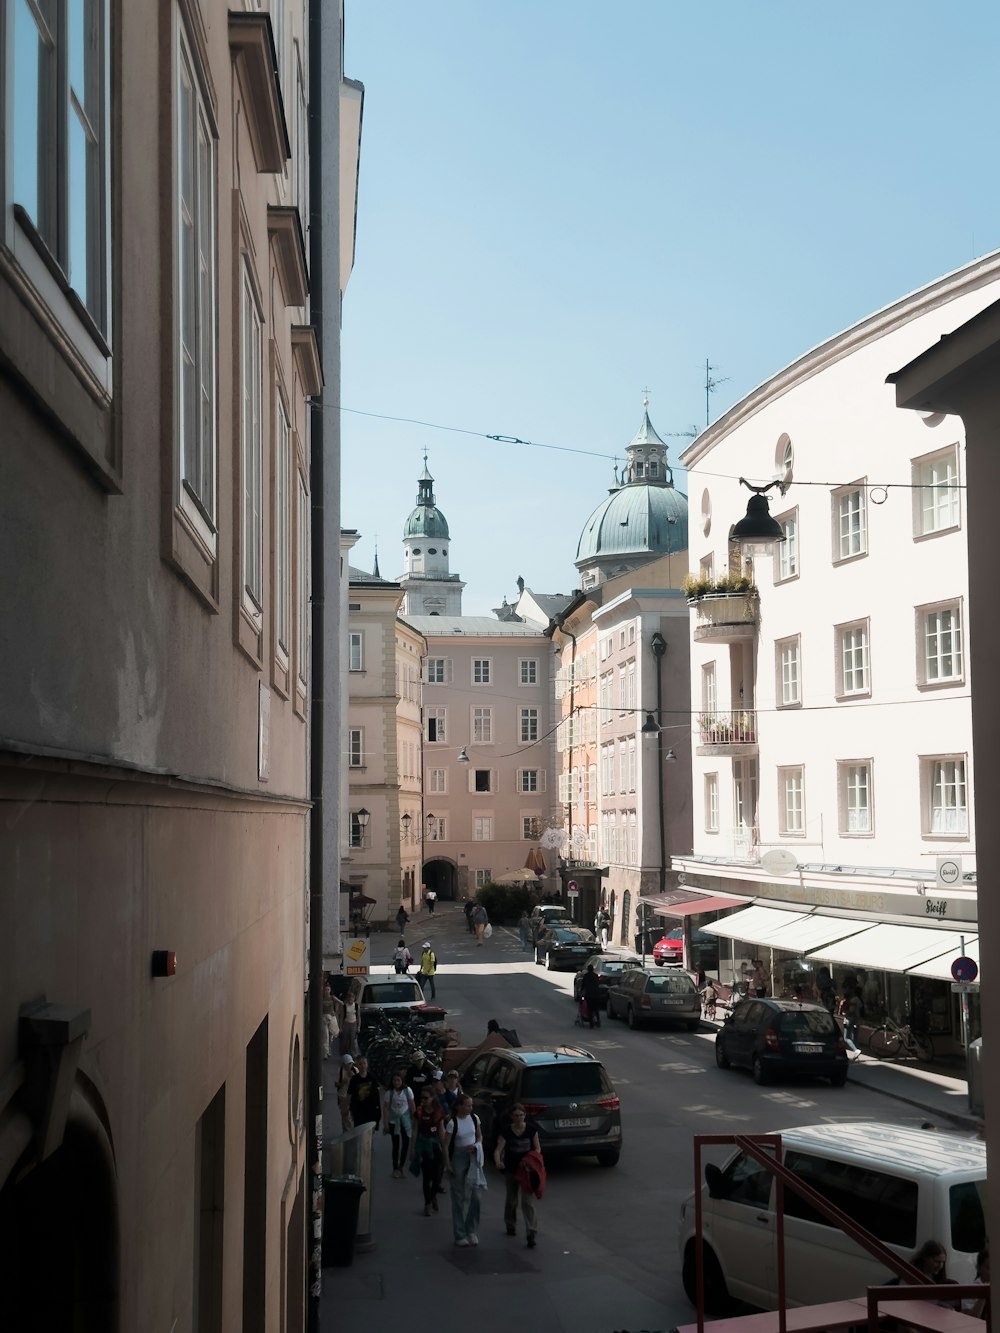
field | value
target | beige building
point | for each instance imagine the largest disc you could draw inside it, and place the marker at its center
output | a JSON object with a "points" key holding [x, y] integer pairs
{"points": [[382, 859], [156, 357]]}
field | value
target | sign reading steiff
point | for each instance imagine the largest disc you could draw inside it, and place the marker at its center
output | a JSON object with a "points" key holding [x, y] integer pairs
{"points": [[356, 958]]}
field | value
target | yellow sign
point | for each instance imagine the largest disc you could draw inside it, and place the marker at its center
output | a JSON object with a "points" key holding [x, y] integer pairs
{"points": [[356, 958]]}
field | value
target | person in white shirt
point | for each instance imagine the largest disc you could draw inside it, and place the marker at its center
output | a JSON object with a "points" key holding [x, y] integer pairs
{"points": [[463, 1137], [397, 1119]]}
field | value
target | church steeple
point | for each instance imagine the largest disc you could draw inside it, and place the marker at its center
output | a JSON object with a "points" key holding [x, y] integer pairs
{"points": [[430, 588], [646, 456]]}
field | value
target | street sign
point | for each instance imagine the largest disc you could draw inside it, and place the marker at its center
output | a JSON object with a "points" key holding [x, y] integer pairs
{"points": [[949, 871], [356, 958], [965, 969], [572, 888], [964, 987]]}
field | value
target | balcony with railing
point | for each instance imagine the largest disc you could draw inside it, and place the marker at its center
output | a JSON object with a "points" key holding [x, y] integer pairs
{"points": [[726, 617], [728, 732]]}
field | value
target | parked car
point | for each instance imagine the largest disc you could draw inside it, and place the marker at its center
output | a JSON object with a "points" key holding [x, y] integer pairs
{"points": [[902, 1183], [608, 967], [669, 948], [547, 914], [564, 1089], [561, 947], [642, 995], [394, 995], [772, 1037]]}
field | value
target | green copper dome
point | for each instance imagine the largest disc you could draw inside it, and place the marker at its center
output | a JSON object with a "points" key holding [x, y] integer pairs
{"points": [[426, 520]]}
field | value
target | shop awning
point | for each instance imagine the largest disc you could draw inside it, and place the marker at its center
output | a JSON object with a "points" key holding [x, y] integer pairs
{"points": [[892, 948], [669, 906], [940, 968], [756, 925], [812, 931]]}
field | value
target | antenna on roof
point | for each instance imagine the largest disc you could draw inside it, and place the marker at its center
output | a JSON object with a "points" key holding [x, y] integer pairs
{"points": [[711, 385]]}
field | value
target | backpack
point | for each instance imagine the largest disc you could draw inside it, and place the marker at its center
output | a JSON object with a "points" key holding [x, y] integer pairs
{"points": [[454, 1130]]}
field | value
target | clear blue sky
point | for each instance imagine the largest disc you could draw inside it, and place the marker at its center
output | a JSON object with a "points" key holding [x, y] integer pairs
{"points": [[562, 202]]}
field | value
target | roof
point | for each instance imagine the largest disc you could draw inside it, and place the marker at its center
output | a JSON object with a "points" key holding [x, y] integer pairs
{"points": [[439, 627], [544, 1055], [551, 602], [426, 521], [636, 520], [916, 1151], [355, 575]]}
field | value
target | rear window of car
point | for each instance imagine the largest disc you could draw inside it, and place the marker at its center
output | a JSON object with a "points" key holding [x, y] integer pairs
{"points": [[583, 1079], [671, 984], [807, 1023], [968, 1224], [392, 992], [886, 1203]]}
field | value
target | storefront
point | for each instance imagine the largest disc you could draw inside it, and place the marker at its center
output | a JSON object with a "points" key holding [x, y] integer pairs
{"points": [[683, 914]]}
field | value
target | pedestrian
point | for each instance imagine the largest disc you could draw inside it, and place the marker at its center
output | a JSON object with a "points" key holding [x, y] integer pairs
{"points": [[331, 1024], [402, 916], [509, 1034], [853, 1011], [930, 1260], [758, 979], [480, 920], [602, 925], [401, 957], [517, 1138], [709, 999], [467, 906], [364, 1095], [344, 1075], [450, 1091], [524, 930], [428, 967], [430, 898], [397, 1120], [463, 1160], [428, 1147], [349, 1019], [978, 1310], [590, 996]]}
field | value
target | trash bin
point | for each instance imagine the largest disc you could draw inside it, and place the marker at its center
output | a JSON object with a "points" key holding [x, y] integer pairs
{"points": [[975, 1068], [341, 1201]]}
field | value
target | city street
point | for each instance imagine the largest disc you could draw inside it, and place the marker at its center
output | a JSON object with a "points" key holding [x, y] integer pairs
{"points": [[607, 1255]]}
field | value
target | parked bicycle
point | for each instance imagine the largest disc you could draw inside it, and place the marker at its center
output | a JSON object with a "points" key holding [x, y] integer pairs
{"points": [[891, 1040]]}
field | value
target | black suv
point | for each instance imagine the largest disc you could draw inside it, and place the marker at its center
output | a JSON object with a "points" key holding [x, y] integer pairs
{"points": [[783, 1037], [562, 946], [563, 1089]]}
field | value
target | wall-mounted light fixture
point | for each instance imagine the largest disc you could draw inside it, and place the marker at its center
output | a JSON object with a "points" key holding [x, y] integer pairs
{"points": [[164, 963], [463, 757], [757, 532], [363, 816], [406, 820], [670, 757]]}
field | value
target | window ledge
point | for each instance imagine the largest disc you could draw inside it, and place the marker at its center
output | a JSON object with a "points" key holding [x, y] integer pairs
{"points": [[284, 231], [305, 349], [251, 41], [955, 682]]}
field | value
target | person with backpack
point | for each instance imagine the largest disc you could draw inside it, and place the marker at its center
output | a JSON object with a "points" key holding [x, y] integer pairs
{"points": [[464, 1163], [428, 967], [398, 1109], [401, 957], [480, 920]]}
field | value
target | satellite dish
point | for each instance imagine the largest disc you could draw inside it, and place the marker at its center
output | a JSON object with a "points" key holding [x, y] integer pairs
{"points": [[779, 861]]}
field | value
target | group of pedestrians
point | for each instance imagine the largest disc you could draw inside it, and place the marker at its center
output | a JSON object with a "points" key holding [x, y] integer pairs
{"points": [[477, 920]]}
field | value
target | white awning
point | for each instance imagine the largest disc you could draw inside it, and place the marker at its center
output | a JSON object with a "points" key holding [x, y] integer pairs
{"points": [[940, 968], [810, 932], [756, 925], [891, 948]]}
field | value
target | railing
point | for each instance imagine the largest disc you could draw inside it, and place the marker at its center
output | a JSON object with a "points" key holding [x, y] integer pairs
{"points": [[727, 608], [737, 728]]}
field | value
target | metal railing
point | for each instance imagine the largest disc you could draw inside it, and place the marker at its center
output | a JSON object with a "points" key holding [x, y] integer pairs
{"points": [[734, 728]]}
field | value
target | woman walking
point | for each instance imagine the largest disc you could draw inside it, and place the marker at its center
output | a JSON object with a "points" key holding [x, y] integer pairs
{"points": [[517, 1139], [397, 1119], [463, 1151], [349, 1021], [428, 1147]]}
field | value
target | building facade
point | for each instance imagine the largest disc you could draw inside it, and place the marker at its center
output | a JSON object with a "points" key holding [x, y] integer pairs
{"points": [[832, 778]]}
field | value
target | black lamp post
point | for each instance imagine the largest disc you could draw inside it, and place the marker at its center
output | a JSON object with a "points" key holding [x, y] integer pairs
{"points": [[757, 531], [406, 820]]}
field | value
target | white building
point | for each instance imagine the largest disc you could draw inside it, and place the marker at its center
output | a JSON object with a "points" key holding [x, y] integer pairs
{"points": [[431, 590], [831, 700]]}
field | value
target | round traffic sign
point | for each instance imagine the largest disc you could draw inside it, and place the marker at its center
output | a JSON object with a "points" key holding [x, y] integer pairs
{"points": [[965, 969], [572, 886]]}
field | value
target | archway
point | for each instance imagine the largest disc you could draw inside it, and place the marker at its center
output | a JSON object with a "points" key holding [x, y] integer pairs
{"points": [[440, 876]]}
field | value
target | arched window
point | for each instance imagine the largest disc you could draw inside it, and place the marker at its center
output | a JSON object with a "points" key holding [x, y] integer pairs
{"points": [[626, 912]]}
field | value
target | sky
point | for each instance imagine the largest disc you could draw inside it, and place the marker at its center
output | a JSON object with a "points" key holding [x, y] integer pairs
{"points": [[563, 203]]}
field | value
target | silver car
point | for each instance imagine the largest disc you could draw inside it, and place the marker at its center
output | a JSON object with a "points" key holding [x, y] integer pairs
{"points": [[643, 995]]}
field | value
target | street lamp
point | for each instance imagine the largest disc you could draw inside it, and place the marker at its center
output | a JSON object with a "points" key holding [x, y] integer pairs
{"points": [[463, 756], [431, 819], [363, 816], [406, 820], [757, 531]]}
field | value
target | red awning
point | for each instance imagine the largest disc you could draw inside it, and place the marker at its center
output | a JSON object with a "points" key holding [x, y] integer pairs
{"points": [[671, 904]]}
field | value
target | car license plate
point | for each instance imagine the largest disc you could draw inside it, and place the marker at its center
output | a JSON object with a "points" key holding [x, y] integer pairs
{"points": [[673, 1001], [809, 1047], [578, 1123]]}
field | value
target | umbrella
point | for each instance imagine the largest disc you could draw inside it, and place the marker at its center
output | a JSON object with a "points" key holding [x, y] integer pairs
{"points": [[516, 877], [536, 861]]}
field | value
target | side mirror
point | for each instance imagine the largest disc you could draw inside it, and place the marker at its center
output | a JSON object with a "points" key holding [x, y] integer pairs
{"points": [[713, 1179]]}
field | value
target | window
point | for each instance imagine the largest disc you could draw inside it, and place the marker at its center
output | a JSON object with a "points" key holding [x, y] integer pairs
{"points": [[482, 726], [357, 832], [530, 779], [302, 622], [59, 158], [787, 553], [935, 493], [283, 530], [356, 749], [437, 781], [706, 566], [630, 694], [788, 672], [888, 1203], [482, 670], [711, 802], [791, 785], [528, 670], [438, 670], [631, 769], [528, 724], [482, 828], [939, 631], [196, 297], [709, 693], [437, 828], [531, 828], [252, 450], [605, 697], [607, 769], [852, 649], [850, 523], [436, 724], [483, 779], [483, 877], [948, 810], [855, 797], [357, 658]]}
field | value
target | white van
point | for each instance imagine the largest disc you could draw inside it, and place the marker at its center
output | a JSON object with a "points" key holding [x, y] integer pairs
{"points": [[904, 1185]]}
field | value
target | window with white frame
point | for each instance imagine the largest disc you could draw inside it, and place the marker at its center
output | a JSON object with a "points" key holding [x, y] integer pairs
{"points": [[607, 769], [437, 781], [709, 691], [791, 793], [357, 832], [854, 675], [196, 298], [283, 530], [789, 692], [437, 828], [482, 726], [302, 622], [592, 783], [438, 670], [482, 670], [357, 646], [58, 149], [947, 809], [935, 492], [482, 828], [855, 797], [706, 566], [356, 750], [711, 802], [605, 699], [530, 779], [528, 724], [850, 522], [435, 720], [252, 449], [631, 773], [483, 779], [531, 828], [527, 671], [745, 794], [633, 839], [483, 876], [787, 552], [939, 630], [630, 695]]}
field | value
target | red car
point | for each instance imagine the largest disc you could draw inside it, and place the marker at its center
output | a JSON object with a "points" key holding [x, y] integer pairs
{"points": [[670, 948]]}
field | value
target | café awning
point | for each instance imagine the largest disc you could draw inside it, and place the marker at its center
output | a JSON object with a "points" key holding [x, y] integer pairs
{"points": [[670, 905], [893, 948], [754, 924], [940, 968], [813, 931]]}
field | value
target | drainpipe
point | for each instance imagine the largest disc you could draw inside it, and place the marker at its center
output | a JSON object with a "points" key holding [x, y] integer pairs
{"points": [[658, 647]]}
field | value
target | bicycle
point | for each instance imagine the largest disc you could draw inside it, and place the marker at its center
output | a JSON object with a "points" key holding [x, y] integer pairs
{"points": [[892, 1040]]}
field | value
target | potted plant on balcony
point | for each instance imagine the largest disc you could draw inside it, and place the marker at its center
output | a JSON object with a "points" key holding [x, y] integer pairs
{"points": [[699, 586]]}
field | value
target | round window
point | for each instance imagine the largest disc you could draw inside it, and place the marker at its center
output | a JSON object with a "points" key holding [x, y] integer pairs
{"points": [[706, 512], [784, 457], [416, 550], [432, 550]]}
